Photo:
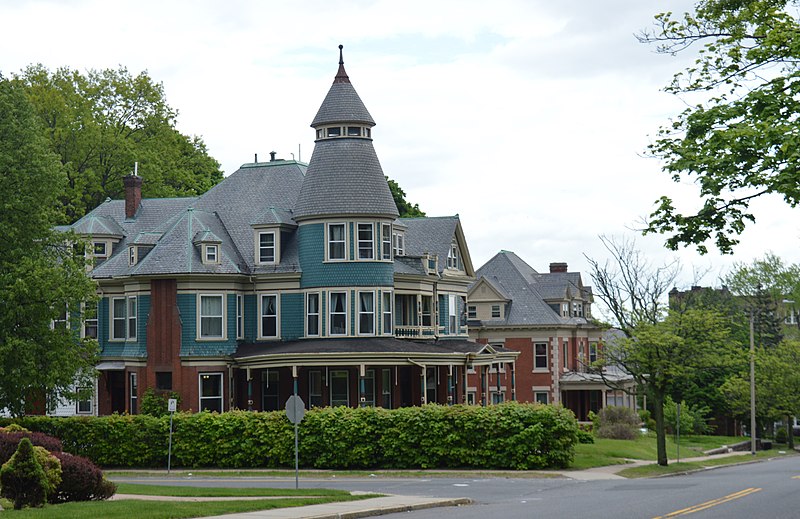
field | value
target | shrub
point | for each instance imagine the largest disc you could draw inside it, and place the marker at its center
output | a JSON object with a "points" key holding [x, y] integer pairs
{"points": [[51, 467], [13, 428], [693, 419], [156, 403], [22, 479], [585, 436], [781, 436], [82, 480], [647, 421], [619, 423], [9, 441]]}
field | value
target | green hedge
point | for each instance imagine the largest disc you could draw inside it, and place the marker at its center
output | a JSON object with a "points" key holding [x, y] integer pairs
{"points": [[505, 436]]}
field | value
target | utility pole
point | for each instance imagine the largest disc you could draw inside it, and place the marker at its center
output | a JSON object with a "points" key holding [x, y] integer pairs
{"points": [[752, 388]]}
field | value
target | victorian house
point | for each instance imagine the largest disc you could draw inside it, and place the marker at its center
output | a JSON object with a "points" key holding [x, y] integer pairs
{"points": [[546, 319], [285, 278]]}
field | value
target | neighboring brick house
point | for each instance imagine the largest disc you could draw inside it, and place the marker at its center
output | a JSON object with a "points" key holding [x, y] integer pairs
{"points": [[284, 277], [547, 319]]}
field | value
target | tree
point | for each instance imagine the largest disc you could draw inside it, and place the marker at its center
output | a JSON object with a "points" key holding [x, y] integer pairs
{"points": [[659, 348], [101, 123], [740, 142], [42, 279], [405, 209]]}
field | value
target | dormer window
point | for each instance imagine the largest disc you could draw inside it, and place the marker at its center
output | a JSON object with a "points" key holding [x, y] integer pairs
{"points": [[454, 257], [131, 256], [100, 249], [266, 247], [430, 263], [211, 254], [398, 240]]}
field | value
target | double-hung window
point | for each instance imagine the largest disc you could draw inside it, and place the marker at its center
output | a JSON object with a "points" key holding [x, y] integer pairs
{"points": [[399, 244], [495, 311], [336, 241], [454, 257], [118, 318], [366, 241], [386, 309], [386, 241], [239, 316], [452, 311], [593, 352], [84, 400], [266, 247], [90, 320], [366, 313], [211, 392], [211, 317], [269, 315], [338, 313], [132, 318], [312, 315], [540, 356]]}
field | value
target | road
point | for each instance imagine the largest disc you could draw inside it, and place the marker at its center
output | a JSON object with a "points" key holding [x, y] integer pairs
{"points": [[766, 489]]}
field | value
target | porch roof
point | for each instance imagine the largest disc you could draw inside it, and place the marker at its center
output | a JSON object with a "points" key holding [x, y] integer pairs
{"points": [[372, 350], [575, 380]]}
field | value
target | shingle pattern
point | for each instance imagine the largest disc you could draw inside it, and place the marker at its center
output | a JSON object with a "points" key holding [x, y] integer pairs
{"points": [[342, 105], [97, 225], [409, 265], [431, 235], [345, 177], [356, 345]]}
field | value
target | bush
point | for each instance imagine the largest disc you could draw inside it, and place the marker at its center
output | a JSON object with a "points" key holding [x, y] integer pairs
{"points": [[51, 467], [13, 428], [82, 480], [647, 421], [22, 479], [156, 403], [585, 436], [9, 441], [693, 419], [781, 436], [619, 423]]}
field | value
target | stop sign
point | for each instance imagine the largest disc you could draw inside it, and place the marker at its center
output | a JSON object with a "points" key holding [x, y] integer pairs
{"points": [[295, 409]]}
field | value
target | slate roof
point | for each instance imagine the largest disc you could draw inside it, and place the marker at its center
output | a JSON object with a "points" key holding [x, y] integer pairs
{"points": [[527, 290], [431, 235], [357, 345], [342, 104]]}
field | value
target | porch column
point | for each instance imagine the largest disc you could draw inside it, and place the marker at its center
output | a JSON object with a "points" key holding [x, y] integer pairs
{"points": [[249, 391], [362, 389], [513, 383], [450, 388], [424, 384], [294, 380], [605, 397], [498, 382], [466, 384], [484, 402]]}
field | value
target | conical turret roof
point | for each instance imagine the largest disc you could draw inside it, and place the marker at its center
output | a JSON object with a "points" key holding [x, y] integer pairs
{"points": [[342, 104]]}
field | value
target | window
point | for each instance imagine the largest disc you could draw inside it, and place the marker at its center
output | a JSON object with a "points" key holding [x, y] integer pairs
{"points": [[472, 312], [454, 256], [354, 131], [366, 243], [132, 318], [269, 316], [540, 355], [564, 354], [564, 309], [312, 315], [366, 313], [90, 320], [99, 249], [211, 317], [334, 132], [495, 311], [452, 309], [369, 388], [239, 316], [336, 241], [84, 400], [340, 388], [386, 308], [118, 318], [577, 309], [164, 380], [593, 352], [430, 385], [338, 313], [399, 244], [62, 321], [427, 312], [211, 392], [266, 247], [386, 388], [498, 397], [211, 254], [270, 394], [540, 397], [131, 256], [386, 241], [315, 389], [134, 386]]}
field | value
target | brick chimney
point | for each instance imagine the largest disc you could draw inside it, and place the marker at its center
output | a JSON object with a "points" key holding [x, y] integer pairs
{"points": [[133, 194], [558, 267]]}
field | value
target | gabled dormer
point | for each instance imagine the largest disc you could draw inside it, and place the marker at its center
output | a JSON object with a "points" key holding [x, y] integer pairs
{"points": [[209, 246], [268, 229], [487, 301]]}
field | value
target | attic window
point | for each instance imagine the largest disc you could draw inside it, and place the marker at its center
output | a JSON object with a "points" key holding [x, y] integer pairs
{"points": [[131, 255], [334, 132], [472, 312], [495, 311], [99, 248], [211, 254], [354, 131], [454, 257]]}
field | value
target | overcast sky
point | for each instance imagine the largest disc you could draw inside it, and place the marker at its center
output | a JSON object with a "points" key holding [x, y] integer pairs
{"points": [[527, 118]]}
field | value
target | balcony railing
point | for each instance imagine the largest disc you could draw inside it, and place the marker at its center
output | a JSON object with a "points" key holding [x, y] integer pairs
{"points": [[414, 332]]}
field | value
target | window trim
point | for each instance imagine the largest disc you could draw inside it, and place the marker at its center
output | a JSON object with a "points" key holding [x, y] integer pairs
{"points": [[200, 316], [452, 314], [133, 258], [239, 316], [472, 311], [536, 394], [131, 323], [360, 312], [330, 313], [593, 346], [545, 355], [112, 318], [386, 242], [78, 400], [96, 320], [318, 314], [498, 312], [208, 257], [95, 254], [261, 316], [398, 243], [275, 248], [332, 373], [201, 398], [329, 242], [371, 241], [384, 313]]}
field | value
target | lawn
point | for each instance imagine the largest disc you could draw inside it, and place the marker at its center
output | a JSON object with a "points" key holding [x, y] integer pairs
{"points": [[125, 509], [612, 452], [647, 471]]}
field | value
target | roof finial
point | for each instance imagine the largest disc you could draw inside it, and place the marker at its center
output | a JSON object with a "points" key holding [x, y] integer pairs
{"points": [[341, 60], [341, 75]]}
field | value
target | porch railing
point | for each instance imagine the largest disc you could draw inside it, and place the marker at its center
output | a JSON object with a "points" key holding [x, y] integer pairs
{"points": [[414, 332]]}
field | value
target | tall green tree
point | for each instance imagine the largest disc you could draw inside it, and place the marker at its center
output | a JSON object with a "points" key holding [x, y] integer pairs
{"points": [[404, 207], [42, 279], [101, 123], [740, 141]]}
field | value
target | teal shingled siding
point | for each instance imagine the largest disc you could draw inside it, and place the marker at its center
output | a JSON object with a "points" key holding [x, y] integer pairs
{"points": [[250, 318], [190, 346], [135, 348], [317, 273], [292, 316]]}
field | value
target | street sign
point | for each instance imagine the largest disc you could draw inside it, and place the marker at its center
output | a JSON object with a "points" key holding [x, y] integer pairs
{"points": [[172, 405], [295, 409]]}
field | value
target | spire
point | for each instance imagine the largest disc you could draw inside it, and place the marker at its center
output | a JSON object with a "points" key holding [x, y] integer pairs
{"points": [[341, 75]]}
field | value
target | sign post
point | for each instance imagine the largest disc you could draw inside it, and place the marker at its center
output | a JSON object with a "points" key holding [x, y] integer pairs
{"points": [[172, 406], [295, 411]]}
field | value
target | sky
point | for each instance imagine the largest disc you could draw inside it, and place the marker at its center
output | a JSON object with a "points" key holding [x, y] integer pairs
{"points": [[529, 119]]}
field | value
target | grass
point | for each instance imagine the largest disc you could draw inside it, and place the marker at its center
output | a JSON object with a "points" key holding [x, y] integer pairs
{"points": [[319, 474], [613, 452], [647, 471], [125, 509]]}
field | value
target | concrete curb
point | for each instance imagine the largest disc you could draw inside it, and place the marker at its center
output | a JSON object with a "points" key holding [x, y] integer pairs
{"points": [[386, 510]]}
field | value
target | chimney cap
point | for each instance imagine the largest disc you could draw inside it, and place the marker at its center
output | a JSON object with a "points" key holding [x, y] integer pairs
{"points": [[558, 266]]}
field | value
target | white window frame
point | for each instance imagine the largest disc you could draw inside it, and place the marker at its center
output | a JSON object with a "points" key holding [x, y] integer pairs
{"points": [[95, 254], [398, 244], [200, 317], [277, 315], [310, 314], [592, 352], [132, 320], [211, 254], [472, 311], [95, 320], [537, 393], [62, 321], [454, 256], [366, 313], [220, 398], [78, 400], [239, 316], [498, 312], [329, 241], [545, 355], [262, 249], [564, 309], [387, 315], [452, 314], [114, 318], [132, 256], [386, 242], [331, 313], [366, 245]]}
